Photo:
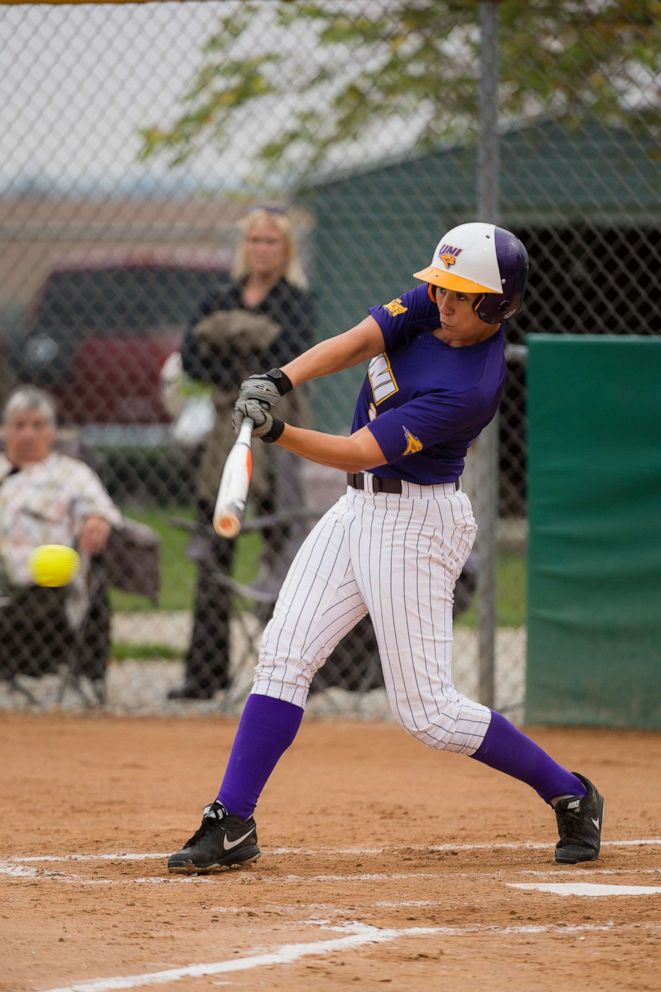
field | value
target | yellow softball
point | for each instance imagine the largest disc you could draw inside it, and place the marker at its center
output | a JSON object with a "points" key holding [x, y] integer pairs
{"points": [[53, 565]]}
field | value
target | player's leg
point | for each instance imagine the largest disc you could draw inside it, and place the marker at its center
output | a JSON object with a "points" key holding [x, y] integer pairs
{"points": [[578, 806], [406, 560], [318, 604], [411, 606]]}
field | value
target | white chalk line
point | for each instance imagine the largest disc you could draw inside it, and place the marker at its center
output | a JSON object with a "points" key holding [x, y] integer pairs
{"points": [[359, 935], [362, 876], [327, 907], [20, 866], [295, 909], [299, 907], [316, 851], [26, 871], [591, 889], [148, 856], [29, 872]]}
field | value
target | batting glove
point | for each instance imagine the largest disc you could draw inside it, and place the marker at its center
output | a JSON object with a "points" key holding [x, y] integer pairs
{"points": [[267, 388], [266, 426]]}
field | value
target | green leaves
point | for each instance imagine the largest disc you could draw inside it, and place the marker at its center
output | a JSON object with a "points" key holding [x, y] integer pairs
{"points": [[403, 63]]}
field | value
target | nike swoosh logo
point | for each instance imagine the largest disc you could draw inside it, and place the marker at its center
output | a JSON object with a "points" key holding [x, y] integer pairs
{"points": [[596, 823], [229, 844]]}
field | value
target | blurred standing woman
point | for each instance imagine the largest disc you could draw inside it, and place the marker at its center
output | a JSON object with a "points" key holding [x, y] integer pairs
{"points": [[262, 319]]}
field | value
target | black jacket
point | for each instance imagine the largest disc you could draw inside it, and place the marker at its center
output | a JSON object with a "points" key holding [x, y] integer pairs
{"points": [[288, 305]]}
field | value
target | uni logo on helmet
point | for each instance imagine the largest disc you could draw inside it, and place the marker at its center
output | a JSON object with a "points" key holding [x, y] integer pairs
{"points": [[448, 255]]}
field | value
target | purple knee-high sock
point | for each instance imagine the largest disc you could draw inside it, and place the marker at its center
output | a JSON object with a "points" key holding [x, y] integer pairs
{"points": [[505, 748], [266, 729]]}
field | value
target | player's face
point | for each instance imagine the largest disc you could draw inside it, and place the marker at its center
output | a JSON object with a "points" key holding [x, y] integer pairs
{"points": [[28, 437], [266, 250], [460, 325]]}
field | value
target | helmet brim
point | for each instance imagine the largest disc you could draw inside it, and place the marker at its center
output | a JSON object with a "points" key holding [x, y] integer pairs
{"points": [[448, 280]]}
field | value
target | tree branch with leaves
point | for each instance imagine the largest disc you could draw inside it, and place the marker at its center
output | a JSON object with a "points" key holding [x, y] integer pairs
{"points": [[336, 75]]}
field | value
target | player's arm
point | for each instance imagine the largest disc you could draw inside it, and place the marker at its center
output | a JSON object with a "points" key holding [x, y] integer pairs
{"points": [[393, 435], [349, 454], [359, 344], [355, 453]]}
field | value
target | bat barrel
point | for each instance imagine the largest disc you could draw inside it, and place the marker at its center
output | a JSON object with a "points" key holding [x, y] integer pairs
{"points": [[233, 489]]}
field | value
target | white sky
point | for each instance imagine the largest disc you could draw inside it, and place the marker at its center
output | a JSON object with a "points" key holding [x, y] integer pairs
{"points": [[77, 82]]}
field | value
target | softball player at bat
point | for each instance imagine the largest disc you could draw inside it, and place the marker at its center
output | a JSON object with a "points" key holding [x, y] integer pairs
{"points": [[395, 544]]}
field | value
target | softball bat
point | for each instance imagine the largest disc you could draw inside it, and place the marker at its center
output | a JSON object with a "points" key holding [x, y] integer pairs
{"points": [[234, 484]]}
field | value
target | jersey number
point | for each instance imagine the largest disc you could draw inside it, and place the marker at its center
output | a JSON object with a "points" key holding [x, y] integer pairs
{"points": [[381, 378]]}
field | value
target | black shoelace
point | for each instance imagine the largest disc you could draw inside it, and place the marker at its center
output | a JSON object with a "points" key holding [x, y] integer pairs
{"points": [[201, 831]]}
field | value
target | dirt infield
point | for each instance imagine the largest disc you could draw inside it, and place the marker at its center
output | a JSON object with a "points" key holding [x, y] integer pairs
{"points": [[385, 864]]}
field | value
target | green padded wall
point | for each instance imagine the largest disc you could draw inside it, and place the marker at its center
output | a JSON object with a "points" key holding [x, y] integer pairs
{"points": [[594, 554]]}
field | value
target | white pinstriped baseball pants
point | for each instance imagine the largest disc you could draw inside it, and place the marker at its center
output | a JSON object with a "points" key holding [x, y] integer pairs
{"points": [[398, 558]]}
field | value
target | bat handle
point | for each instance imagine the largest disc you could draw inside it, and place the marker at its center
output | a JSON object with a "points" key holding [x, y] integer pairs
{"points": [[245, 431]]}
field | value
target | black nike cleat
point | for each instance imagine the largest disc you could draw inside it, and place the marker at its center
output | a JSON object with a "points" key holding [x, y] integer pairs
{"points": [[580, 819], [222, 841]]}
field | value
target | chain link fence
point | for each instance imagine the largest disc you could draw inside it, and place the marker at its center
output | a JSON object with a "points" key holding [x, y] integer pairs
{"points": [[137, 138]]}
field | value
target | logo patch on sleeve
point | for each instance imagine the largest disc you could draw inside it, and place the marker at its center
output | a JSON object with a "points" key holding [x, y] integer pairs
{"points": [[395, 307], [413, 443]]}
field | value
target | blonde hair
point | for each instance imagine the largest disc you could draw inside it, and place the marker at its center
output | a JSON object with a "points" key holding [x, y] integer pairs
{"points": [[293, 270]]}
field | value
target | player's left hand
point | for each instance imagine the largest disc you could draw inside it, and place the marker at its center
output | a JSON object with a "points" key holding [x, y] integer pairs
{"points": [[266, 426], [267, 387]]}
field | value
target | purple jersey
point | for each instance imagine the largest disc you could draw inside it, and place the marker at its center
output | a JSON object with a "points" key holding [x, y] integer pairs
{"points": [[424, 401]]}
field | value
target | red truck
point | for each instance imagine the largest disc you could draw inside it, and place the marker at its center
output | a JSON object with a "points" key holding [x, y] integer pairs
{"points": [[102, 324]]}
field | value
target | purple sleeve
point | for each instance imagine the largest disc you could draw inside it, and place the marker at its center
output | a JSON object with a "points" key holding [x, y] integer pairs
{"points": [[430, 419], [405, 316]]}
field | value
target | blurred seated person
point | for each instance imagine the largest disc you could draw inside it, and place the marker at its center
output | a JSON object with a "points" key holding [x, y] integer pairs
{"points": [[49, 498], [261, 320]]}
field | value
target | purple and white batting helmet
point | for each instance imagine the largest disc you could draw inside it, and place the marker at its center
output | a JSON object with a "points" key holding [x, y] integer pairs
{"points": [[485, 259]]}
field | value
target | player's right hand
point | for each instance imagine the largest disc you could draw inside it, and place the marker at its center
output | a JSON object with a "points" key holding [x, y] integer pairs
{"points": [[260, 416], [265, 425], [267, 388]]}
